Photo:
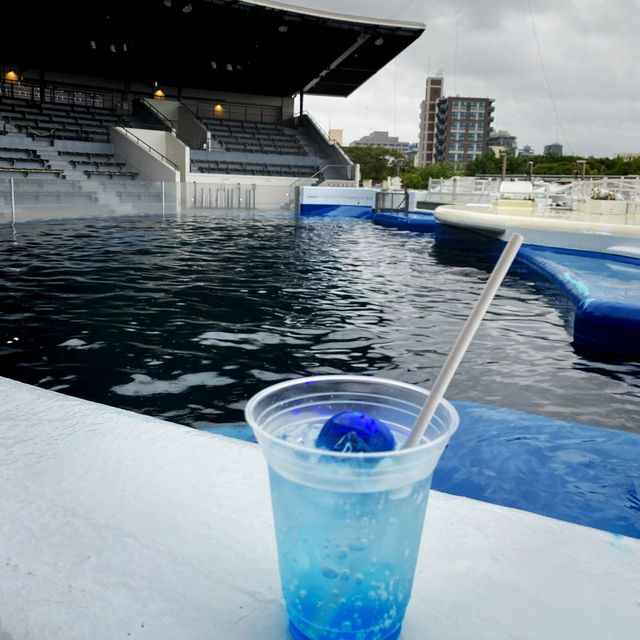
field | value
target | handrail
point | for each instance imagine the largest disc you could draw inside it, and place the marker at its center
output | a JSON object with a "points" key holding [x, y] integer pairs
{"points": [[333, 143], [317, 126], [158, 113], [141, 142], [188, 108], [328, 166], [317, 173], [206, 131]]}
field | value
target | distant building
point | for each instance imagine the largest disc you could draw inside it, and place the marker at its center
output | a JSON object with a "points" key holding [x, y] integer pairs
{"points": [[627, 156], [336, 135], [504, 140], [412, 155], [454, 130], [554, 149], [526, 151], [382, 139], [427, 135]]}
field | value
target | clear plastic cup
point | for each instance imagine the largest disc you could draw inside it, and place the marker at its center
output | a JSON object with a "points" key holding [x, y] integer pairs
{"points": [[348, 525]]}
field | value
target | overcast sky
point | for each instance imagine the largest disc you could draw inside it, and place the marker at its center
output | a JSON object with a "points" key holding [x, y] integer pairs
{"points": [[577, 82]]}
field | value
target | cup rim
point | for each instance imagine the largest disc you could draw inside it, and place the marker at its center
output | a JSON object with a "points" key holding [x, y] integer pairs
{"points": [[422, 446]]}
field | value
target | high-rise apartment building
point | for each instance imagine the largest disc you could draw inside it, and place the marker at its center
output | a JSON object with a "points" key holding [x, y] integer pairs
{"points": [[427, 137], [454, 130]]}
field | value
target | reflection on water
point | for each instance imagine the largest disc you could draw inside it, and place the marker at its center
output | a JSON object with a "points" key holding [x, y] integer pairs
{"points": [[186, 319]]}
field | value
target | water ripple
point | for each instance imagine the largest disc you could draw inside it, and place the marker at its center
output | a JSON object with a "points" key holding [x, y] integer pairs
{"points": [[186, 319]]}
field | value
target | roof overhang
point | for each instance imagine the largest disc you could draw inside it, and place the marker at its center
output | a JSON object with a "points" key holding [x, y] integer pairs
{"points": [[246, 46]]}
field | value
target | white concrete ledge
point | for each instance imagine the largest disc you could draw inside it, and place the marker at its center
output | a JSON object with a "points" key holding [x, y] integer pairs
{"points": [[116, 525]]}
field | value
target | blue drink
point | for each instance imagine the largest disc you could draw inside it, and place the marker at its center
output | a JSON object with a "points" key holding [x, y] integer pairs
{"points": [[348, 525]]}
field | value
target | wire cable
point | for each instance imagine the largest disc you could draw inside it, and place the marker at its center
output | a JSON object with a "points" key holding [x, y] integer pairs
{"points": [[546, 79]]}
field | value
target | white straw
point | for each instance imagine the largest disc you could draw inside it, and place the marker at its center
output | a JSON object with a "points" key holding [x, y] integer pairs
{"points": [[464, 339]]}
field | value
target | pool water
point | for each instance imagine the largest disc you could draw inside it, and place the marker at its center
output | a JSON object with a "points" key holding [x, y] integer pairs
{"points": [[186, 318]]}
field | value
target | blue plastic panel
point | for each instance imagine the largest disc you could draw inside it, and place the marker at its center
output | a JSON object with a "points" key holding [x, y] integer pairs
{"points": [[336, 211], [564, 470], [605, 291], [424, 222]]}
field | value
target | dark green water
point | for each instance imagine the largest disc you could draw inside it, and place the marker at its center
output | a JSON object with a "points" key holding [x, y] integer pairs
{"points": [[185, 319]]}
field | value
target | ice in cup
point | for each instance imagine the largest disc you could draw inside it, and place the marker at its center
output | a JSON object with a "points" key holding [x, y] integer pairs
{"points": [[348, 525]]}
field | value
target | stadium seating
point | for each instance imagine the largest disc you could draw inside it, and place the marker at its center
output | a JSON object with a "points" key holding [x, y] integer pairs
{"points": [[254, 137], [53, 121]]}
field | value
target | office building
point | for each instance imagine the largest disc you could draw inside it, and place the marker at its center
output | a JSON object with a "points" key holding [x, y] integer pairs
{"points": [[554, 149], [382, 139], [336, 135], [526, 151], [502, 139]]}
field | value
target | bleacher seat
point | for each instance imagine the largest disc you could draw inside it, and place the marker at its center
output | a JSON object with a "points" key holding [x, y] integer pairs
{"points": [[254, 137]]}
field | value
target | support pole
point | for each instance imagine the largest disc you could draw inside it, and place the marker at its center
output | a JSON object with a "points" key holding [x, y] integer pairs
{"points": [[163, 201], [301, 108], [13, 204], [42, 85]]}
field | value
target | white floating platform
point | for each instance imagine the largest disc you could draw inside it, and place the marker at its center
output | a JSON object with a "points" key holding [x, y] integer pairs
{"points": [[580, 229], [116, 525]]}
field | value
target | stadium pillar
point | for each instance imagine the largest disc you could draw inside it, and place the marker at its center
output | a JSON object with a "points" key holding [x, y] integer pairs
{"points": [[42, 84], [301, 105]]}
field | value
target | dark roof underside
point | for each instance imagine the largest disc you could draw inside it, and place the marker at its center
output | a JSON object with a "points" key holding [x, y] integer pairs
{"points": [[225, 45]]}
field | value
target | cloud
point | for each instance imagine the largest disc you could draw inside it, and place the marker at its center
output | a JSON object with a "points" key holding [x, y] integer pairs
{"points": [[564, 70]]}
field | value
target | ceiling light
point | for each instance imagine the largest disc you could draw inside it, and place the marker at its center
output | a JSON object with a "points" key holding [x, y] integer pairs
{"points": [[167, 3], [283, 28], [229, 66], [188, 8], [112, 48], [379, 41], [92, 44], [214, 66]]}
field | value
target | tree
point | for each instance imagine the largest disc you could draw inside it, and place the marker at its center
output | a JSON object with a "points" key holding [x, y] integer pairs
{"points": [[419, 178], [488, 162], [376, 163]]}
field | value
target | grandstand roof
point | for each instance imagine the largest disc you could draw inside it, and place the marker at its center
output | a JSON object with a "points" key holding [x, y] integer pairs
{"points": [[248, 46]]}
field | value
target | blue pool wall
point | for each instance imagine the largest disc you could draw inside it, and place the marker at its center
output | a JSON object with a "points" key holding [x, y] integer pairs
{"points": [[336, 202], [336, 211], [602, 290], [605, 293], [565, 470]]}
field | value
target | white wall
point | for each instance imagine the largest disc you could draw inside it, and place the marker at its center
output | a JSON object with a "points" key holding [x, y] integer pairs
{"points": [[271, 194], [148, 164], [337, 196], [170, 109]]}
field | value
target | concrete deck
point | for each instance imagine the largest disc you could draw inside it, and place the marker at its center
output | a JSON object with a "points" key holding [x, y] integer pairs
{"points": [[116, 525]]}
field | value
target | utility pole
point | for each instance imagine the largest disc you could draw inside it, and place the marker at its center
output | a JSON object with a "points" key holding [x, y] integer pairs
{"points": [[530, 171]]}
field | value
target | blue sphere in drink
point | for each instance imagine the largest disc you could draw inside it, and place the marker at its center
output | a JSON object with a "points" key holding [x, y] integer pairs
{"points": [[355, 432]]}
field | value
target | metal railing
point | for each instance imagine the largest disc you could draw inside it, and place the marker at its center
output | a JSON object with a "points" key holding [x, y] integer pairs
{"points": [[320, 177], [57, 94], [148, 147], [335, 146], [233, 110], [23, 199], [173, 125]]}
